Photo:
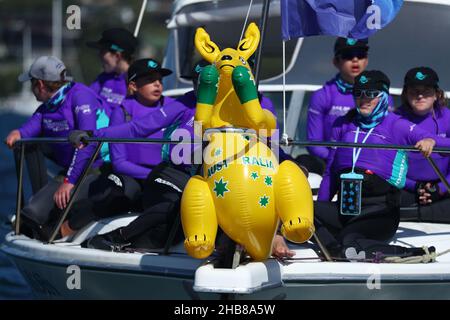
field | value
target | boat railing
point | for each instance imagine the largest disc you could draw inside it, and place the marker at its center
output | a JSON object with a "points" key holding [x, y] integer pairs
{"points": [[21, 144]]}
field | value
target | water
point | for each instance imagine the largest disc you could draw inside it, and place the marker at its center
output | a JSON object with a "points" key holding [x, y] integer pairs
{"points": [[12, 285]]}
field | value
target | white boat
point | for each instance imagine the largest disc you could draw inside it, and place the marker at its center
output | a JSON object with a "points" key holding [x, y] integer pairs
{"points": [[66, 270]]}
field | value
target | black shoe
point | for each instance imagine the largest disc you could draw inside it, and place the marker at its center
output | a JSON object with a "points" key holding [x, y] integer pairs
{"points": [[111, 241]]}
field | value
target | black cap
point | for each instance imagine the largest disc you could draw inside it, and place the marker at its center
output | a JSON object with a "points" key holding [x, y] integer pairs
{"points": [[347, 44], [422, 76], [143, 67], [372, 80], [116, 39]]}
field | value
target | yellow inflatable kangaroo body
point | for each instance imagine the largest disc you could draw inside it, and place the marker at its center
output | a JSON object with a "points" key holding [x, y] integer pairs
{"points": [[243, 189]]}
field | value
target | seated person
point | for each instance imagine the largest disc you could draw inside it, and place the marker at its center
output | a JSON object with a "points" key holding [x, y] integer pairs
{"points": [[162, 196], [116, 48], [368, 181], [424, 104], [132, 163], [161, 193], [65, 106], [334, 99]]}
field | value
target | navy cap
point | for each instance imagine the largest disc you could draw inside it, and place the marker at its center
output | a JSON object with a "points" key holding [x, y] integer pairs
{"points": [[422, 76], [116, 39], [143, 67], [372, 80], [347, 44]]}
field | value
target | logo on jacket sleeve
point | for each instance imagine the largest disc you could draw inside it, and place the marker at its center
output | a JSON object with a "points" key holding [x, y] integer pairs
{"points": [[84, 109]]}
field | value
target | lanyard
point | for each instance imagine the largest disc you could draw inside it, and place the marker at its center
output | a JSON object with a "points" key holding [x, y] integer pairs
{"points": [[356, 152]]}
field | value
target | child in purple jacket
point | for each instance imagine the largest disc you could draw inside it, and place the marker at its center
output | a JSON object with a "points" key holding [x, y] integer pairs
{"points": [[368, 181], [116, 48], [424, 104], [335, 98], [162, 189], [146, 113]]}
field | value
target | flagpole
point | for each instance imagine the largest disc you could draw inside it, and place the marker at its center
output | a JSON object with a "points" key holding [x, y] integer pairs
{"points": [[141, 14], [262, 27]]}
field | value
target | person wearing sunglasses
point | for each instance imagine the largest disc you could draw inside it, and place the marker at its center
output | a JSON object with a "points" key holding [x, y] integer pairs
{"points": [[334, 99], [425, 105], [66, 105], [367, 181]]}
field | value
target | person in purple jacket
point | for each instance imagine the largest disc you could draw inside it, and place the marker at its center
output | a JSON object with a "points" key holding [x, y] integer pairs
{"points": [[139, 116], [161, 189], [368, 181], [424, 104], [116, 48], [162, 192], [334, 99], [65, 106]]}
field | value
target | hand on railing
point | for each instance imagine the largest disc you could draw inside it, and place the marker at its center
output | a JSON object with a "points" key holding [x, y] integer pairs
{"points": [[78, 138], [426, 146], [12, 137]]}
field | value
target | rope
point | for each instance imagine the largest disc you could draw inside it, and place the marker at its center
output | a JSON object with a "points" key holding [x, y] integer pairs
{"points": [[444, 252], [426, 258], [246, 19], [284, 137]]}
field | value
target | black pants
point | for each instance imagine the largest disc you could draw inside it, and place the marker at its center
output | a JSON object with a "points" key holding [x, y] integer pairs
{"points": [[41, 215], [437, 211], [161, 200], [311, 163], [371, 230], [376, 222], [108, 195]]}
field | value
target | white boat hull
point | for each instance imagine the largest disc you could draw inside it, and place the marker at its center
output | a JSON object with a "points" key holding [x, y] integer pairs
{"points": [[111, 275]]}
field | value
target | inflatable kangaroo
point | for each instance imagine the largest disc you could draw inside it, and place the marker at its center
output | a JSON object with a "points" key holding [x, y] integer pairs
{"points": [[243, 189]]}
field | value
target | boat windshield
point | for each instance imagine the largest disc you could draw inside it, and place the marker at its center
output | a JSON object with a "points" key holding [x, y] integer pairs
{"points": [[418, 36], [224, 20]]}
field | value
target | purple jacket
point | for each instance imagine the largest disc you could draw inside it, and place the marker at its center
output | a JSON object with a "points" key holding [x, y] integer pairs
{"points": [[183, 127], [79, 110], [157, 122], [111, 87], [390, 165], [325, 106], [267, 104], [420, 169]]}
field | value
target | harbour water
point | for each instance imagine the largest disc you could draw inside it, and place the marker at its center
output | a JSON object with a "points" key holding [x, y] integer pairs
{"points": [[12, 285]]}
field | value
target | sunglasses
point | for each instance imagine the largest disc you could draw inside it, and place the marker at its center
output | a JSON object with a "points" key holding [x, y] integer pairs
{"points": [[350, 55], [429, 92], [371, 94]]}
